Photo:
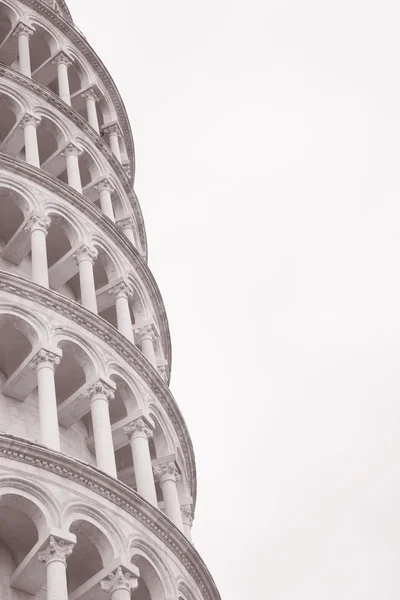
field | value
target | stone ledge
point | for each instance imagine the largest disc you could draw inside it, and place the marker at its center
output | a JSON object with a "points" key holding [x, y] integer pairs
{"points": [[17, 285], [120, 495]]}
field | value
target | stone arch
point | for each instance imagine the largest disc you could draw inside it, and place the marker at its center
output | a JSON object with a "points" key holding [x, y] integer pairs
{"points": [[12, 108], [163, 436], [49, 513], [108, 262], [87, 357], [182, 484], [141, 306], [14, 207], [133, 398], [185, 591], [44, 43], [79, 73], [90, 164], [96, 544], [52, 136], [120, 202], [10, 14], [156, 580]]}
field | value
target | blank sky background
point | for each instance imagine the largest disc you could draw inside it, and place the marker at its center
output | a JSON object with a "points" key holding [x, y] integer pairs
{"points": [[268, 147]]}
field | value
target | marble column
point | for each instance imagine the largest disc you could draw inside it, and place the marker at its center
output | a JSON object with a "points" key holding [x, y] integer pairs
{"points": [[72, 154], [146, 340], [24, 32], [100, 394], [29, 123], [105, 189], [91, 99], [55, 558], [45, 363], [85, 257], [114, 134], [139, 434], [62, 61], [38, 225], [168, 475], [120, 584], [122, 293], [128, 228], [187, 520]]}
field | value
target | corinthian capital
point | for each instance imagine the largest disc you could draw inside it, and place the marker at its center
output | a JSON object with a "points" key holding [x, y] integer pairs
{"points": [[62, 59], [165, 471], [71, 149], [121, 579], [146, 333], [56, 550], [104, 185], [187, 515], [100, 389], [37, 221], [23, 29], [138, 428], [112, 129], [90, 95], [29, 119], [86, 252], [45, 358], [121, 290]]}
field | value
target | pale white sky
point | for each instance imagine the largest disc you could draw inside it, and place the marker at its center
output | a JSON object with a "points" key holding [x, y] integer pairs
{"points": [[267, 145]]}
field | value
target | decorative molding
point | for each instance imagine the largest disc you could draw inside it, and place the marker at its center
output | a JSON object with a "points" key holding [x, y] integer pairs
{"points": [[97, 141], [80, 202], [58, 550], [120, 495], [81, 316], [119, 580]]}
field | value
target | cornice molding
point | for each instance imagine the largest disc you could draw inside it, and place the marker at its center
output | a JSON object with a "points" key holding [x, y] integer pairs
{"points": [[79, 201], [72, 33], [69, 112], [120, 495], [24, 288]]}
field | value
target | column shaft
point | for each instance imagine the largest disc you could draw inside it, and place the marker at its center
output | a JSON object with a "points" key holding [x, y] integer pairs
{"points": [[57, 580], [103, 442], [88, 290], [114, 145], [31, 144], [106, 204], [92, 112], [142, 467], [24, 56], [171, 502], [73, 173], [124, 321], [45, 363], [40, 273], [63, 82]]}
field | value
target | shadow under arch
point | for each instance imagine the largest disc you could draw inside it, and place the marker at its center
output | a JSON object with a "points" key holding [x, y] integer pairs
{"points": [[156, 580]]}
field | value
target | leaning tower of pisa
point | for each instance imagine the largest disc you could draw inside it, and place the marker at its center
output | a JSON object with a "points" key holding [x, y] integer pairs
{"points": [[97, 471]]}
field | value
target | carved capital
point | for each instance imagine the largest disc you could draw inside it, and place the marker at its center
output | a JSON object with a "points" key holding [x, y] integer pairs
{"points": [[166, 471], [45, 358], [23, 29], [146, 333], [90, 95], [127, 169], [37, 221], [86, 253], [126, 222], [62, 59], [29, 119], [104, 185], [121, 290], [138, 428], [71, 149], [119, 580], [56, 550], [100, 389], [162, 369], [186, 512], [112, 129]]}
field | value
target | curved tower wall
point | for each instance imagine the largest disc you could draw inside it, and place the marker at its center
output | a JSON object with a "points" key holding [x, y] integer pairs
{"points": [[97, 472]]}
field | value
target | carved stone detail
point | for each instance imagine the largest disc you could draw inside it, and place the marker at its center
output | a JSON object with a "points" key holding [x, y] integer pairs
{"points": [[119, 580], [146, 333], [23, 29], [72, 149], [104, 184], [62, 59], [45, 358], [187, 515], [29, 119], [37, 221], [100, 388], [165, 471], [138, 427], [112, 129], [90, 95], [121, 290], [56, 550], [86, 252]]}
